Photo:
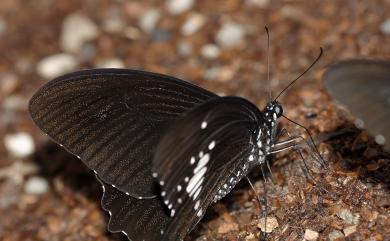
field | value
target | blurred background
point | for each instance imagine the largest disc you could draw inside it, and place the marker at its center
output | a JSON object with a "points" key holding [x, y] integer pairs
{"points": [[45, 194]]}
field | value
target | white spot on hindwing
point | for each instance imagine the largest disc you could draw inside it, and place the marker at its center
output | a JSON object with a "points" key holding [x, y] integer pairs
{"points": [[211, 145], [202, 162], [197, 205], [203, 125], [199, 213]]}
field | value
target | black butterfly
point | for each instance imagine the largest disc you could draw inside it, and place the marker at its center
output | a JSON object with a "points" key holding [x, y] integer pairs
{"points": [[163, 149]]}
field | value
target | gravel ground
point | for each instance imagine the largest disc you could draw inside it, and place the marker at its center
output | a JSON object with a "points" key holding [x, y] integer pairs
{"points": [[46, 194]]}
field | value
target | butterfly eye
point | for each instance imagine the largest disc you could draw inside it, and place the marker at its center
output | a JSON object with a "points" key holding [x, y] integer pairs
{"points": [[278, 109]]}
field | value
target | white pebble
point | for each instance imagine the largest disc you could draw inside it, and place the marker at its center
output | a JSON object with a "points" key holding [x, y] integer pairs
{"points": [[131, 32], [20, 144], [110, 63], [55, 65], [258, 3], [76, 30], [311, 235], [230, 34], [210, 51], [3, 26], [385, 27], [15, 103], [147, 21], [184, 48], [193, 23], [177, 7], [380, 139], [268, 224], [335, 235], [114, 24], [36, 185]]}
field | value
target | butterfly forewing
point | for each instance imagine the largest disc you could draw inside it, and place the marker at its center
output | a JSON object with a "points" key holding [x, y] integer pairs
{"points": [[202, 156], [113, 119]]}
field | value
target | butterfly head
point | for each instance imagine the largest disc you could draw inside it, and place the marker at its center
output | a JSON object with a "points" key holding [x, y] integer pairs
{"points": [[273, 111]]}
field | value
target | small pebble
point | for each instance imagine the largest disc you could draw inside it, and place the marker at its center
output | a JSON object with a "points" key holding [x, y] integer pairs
{"points": [[87, 53], [19, 144], [9, 82], [193, 23], [17, 171], [292, 12], [230, 34], [349, 230], [161, 35], [3, 26], [221, 74], [210, 51], [227, 227], [113, 24], [335, 235], [269, 227], [348, 216], [76, 30], [36, 185], [177, 7], [110, 63], [385, 27], [15, 103], [311, 235], [250, 237], [184, 48], [147, 21], [380, 139], [55, 65], [132, 33], [259, 3]]}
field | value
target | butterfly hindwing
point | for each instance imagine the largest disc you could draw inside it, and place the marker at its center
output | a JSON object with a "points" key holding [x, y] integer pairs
{"points": [[201, 157], [138, 219], [112, 119]]}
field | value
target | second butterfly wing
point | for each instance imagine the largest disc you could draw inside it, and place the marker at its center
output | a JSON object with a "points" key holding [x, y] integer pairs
{"points": [[201, 158], [363, 86], [112, 119]]}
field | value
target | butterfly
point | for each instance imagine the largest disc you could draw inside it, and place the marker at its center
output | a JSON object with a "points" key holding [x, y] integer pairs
{"points": [[363, 86], [163, 149]]}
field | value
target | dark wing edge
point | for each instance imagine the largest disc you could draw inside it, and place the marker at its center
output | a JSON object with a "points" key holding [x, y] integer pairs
{"points": [[137, 219]]}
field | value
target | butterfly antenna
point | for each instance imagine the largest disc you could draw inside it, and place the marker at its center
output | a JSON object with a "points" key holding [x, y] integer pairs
{"points": [[268, 64], [304, 72]]}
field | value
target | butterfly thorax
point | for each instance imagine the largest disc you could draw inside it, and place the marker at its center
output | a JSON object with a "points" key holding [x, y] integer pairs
{"points": [[262, 141]]}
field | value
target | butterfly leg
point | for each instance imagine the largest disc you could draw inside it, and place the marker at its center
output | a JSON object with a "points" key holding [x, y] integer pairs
{"points": [[261, 201], [305, 167], [265, 211]]}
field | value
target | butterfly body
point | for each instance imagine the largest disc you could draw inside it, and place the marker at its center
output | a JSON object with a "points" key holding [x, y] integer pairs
{"points": [[163, 149]]}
